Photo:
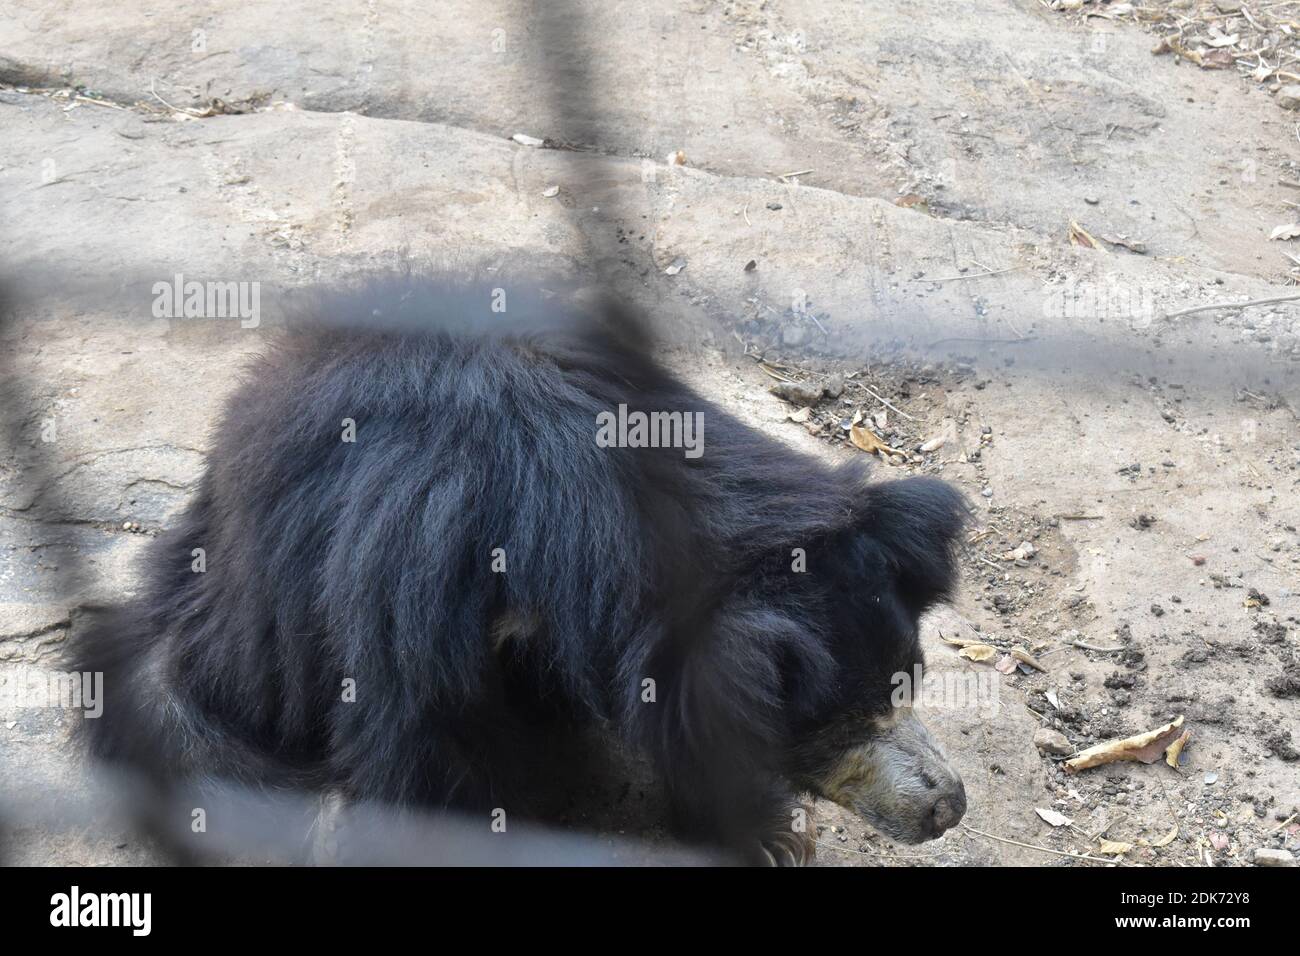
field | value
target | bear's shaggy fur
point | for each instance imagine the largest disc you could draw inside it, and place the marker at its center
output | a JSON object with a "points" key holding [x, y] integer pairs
{"points": [[477, 563]]}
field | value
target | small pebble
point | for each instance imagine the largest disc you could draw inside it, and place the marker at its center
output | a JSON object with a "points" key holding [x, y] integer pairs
{"points": [[1051, 741]]}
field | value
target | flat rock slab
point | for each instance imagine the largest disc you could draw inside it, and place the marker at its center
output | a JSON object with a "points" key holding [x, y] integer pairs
{"points": [[1029, 121], [289, 197]]}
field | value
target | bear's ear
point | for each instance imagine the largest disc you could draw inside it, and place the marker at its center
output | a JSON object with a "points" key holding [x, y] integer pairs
{"points": [[916, 523]]}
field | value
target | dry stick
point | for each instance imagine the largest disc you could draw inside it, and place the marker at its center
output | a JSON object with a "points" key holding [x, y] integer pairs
{"points": [[777, 375], [973, 275], [884, 401], [1231, 305], [196, 114], [1094, 647], [1046, 849]]}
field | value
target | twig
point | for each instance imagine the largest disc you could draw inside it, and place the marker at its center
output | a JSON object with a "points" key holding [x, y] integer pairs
{"points": [[1100, 650], [81, 98], [972, 275], [1231, 305], [775, 374], [1044, 849], [801, 172], [1081, 517], [1116, 822], [888, 404], [197, 114]]}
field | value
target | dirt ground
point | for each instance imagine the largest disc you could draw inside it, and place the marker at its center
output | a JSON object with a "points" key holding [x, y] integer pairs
{"points": [[971, 221]]}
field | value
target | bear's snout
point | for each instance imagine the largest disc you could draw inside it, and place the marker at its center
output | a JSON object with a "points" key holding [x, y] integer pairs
{"points": [[899, 780], [949, 807]]}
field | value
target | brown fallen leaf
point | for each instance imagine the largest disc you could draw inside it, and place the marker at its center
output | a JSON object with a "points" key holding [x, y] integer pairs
{"points": [[800, 416], [1113, 847], [1165, 840], [978, 652], [1128, 242], [1143, 748], [1026, 658], [1219, 39], [1217, 60], [960, 641], [1081, 237], [869, 441], [1175, 749], [1211, 60]]}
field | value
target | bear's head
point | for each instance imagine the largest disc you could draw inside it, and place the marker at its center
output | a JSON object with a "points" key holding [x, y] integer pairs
{"points": [[859, 742]]}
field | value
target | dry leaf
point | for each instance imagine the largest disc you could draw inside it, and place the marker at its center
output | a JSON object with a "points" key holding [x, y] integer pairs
{"points": [[868, 441], [1023, 552], [1165, 840], [1175, 749], [800, 416], [1081, 237], [1144, 748], [1128, 242], [1026, 658], [1221, 40], [1054, 818], [1113, 847], [960, 641], [1288, 230], [978, 652]]}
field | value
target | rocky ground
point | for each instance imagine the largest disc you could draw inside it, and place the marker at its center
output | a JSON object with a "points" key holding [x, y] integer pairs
{"points": [[967, 233]]}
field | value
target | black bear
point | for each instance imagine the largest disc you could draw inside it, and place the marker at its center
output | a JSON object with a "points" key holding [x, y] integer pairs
{"points": [[434, 512]]}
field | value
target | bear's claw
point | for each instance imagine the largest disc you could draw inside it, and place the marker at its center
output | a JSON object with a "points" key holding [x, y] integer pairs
{"points": [[787, 848]]}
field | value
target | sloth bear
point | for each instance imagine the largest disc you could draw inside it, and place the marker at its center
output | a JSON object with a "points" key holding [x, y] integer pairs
{"points": [[420, 539]]}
